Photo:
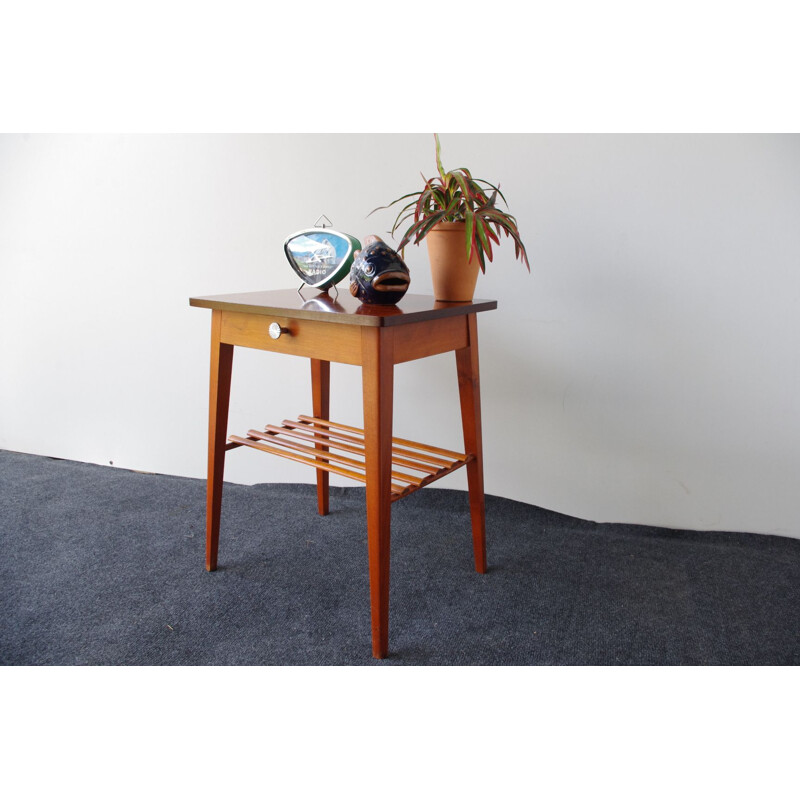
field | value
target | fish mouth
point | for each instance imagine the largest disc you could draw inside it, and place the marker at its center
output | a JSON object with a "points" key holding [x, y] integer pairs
{"points": [[394, 281]]}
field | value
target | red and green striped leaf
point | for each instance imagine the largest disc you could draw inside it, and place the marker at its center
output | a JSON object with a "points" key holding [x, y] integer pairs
{"points": [[486, 245], [469, 218]]}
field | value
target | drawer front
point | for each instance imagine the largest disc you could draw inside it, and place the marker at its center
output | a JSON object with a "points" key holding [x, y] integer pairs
{"points": [[300, 337]]}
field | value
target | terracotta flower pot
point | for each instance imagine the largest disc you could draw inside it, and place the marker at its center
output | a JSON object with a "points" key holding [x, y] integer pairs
{"points": [[454, 276]]}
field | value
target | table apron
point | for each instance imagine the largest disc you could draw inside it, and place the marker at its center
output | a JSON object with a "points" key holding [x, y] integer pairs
{"points": [[304, 337], [423, 339], [330, 341]]}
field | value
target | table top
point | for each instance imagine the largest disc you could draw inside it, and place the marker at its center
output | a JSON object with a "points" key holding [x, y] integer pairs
{"points": [[344, 308]]}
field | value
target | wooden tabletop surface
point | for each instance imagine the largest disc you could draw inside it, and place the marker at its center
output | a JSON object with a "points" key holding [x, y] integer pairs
{"points": [[344, 308]]}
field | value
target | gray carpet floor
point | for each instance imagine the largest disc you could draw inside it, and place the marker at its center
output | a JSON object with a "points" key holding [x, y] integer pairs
{"points": [[103, 566]]}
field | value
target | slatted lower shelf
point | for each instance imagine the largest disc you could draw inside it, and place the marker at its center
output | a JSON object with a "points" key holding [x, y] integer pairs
{"points": [[321, 444]]}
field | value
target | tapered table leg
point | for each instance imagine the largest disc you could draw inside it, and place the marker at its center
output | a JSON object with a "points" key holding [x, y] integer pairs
{"points": [[219, 397], [470, 395], [321, 394], [378, 386]]}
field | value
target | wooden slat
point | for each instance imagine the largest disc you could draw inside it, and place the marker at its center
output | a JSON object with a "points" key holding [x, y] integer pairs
{"points": [[286, 441], [397, 490], [289, 430], [426, 457], [429, 449], [327, 456], [442, 472], [312, 462], [406, 442]]}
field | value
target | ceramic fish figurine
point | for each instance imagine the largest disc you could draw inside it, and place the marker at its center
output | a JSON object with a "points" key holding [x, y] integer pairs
{"points": [[378, 274]]}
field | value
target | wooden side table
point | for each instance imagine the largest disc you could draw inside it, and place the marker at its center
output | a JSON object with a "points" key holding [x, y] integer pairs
{"points": [[375, 338]]}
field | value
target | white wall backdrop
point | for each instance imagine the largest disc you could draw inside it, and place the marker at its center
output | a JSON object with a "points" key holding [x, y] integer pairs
{"points": [[646, 371]]}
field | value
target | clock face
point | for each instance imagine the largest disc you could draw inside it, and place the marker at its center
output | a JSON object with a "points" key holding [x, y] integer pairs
{"points": [[321, 256]]}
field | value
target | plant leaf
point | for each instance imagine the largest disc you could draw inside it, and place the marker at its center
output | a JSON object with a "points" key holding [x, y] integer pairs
{"points": [[481, 259], [424, 226], [439, 155], [507, 224], [409, 234], [465, 190], [491, 234], [399, 222], [492, 186], [486, 245], [519, 249], [394, 202]]}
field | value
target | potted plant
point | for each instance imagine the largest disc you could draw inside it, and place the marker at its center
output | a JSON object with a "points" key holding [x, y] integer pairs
{"points": [[460, 220]]}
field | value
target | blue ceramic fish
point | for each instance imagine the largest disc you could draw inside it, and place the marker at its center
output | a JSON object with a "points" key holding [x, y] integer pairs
{"points": [[378, 274]]}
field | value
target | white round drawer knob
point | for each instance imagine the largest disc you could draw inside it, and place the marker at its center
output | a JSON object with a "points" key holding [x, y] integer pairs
{"points": [[275, 330]]}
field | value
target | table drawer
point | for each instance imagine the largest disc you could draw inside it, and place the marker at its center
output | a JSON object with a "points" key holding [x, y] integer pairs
{"points": [[300, 337]]}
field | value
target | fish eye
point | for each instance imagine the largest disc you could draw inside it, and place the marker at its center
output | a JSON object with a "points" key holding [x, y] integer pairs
{"points": [[369, 270]]}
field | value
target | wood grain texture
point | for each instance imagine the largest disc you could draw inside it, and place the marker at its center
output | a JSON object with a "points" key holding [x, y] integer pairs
{"points": [[274, 435], [342, 309], [320, 402], [298, 440], [470, 396], [424, 449], [324, 442], [423, 339], [218, 402], [378, 388], [308, 338]]}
